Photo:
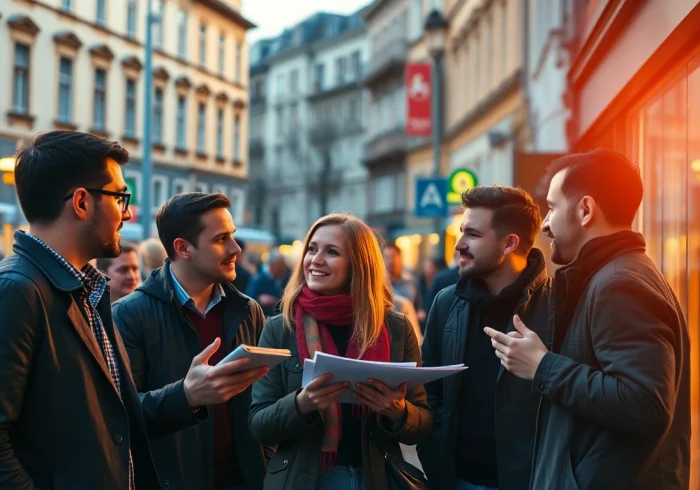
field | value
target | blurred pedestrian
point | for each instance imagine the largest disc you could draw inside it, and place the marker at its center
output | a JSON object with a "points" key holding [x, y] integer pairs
{"points": [[123, 271], [243, 275], [338, 301], [446, 277], [70, 416], [403, 283], [431, 267], [184, 306], [267, 286], [615, 384], [152, 254], [484, 430]]}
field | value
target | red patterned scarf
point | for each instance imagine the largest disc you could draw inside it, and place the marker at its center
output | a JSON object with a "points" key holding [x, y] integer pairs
{"points": [[312, 314]]}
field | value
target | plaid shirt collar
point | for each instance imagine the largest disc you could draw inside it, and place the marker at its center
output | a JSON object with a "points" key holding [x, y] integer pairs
{"points": [[184, 299], [93, 281]]}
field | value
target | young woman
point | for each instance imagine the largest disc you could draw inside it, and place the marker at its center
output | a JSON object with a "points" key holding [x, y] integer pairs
{"points": [[338, 301]]}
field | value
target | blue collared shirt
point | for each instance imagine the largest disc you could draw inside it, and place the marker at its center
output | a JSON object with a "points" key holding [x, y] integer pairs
{"points": [[186, 300]]}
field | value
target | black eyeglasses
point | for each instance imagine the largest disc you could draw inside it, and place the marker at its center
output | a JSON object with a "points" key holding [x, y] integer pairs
{"points": [[123, 198]]}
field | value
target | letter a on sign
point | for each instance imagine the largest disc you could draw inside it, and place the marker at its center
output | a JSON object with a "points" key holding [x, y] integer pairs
{"points": [[431, 197]]}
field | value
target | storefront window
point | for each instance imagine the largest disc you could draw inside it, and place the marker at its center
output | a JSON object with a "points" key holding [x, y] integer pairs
{"points": [[664, 137], [693, 210]]}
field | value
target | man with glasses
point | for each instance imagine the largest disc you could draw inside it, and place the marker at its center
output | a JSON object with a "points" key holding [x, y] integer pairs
{"points": [[70, 416]]}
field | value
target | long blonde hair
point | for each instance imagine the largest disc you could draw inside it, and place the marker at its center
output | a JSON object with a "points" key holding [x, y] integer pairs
{"points": [[369, 284]]}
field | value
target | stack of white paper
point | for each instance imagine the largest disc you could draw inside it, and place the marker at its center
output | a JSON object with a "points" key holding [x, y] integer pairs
{"points": [[355, 371]]}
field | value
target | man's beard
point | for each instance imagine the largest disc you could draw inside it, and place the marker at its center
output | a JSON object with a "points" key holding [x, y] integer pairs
{"points": [[483, 268], [557, 257], [104, 244]]}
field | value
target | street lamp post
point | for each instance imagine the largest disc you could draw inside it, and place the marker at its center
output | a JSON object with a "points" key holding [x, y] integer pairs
{"points": [[146, 164], [436, 35]]}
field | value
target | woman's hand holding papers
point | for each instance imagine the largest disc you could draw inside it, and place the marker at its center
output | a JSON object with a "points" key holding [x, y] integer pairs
{"points": [[318, 396], [382, 399]]}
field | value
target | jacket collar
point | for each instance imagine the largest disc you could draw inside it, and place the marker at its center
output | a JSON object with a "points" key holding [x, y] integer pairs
{"points": [[159, 285], [598, 252], [59, 277], [570, 280]]}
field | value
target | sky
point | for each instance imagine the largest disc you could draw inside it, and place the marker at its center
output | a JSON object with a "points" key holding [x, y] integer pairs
{"points": [[272, 16]]}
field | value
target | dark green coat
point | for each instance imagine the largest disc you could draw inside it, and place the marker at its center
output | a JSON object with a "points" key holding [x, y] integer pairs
{"points": [[274, 419]]}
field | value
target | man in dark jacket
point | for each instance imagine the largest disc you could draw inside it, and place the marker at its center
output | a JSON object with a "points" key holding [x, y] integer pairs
{"points": [[616, 380], [484, 418], [70, 416], [186, 304]]}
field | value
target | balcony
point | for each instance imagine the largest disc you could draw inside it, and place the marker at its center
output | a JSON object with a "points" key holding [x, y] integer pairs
{"points": [[258, 101], [387, 62], [390, 145], [323, 134], [256, 147]]}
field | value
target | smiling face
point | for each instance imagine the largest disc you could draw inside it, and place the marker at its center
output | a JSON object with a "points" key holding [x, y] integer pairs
{"points": [[480, 248], [214, 255], [561, 225], [327, 261]]}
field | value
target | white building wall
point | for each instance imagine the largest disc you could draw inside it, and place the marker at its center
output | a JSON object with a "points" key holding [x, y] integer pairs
{"points": [[548, 66]]}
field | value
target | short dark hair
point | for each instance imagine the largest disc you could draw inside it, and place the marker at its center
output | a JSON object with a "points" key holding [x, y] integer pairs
{"points": [[608, 177], [57, 162], [124, 248], [180, 217], [514, 211]]}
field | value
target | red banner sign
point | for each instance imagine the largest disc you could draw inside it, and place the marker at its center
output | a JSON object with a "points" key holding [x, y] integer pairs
{"points": [[419, 91]]}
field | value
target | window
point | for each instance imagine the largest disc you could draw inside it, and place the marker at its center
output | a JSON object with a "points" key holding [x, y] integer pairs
{"points": [[220, 134], [131, 18], [101, 12], [100, 100], [237, 138], [237, 197], [65, 90], [201, 187], [318, 77], [182, 35], [293, 118], [158, 116], [158, 25], [293, 82], [353, 110], [340, 67], [181, 118], [202, 45], [130, 113], [65, 5], [280, 122], [384, 194], [280, 83], [180, 186], [239, 62], [20, 96], [222, 52], [259, 88], [201, 127], [356, 62]]}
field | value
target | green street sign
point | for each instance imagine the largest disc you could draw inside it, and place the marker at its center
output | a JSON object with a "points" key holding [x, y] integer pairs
{"points": [[131, 184], [460, 180]]}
